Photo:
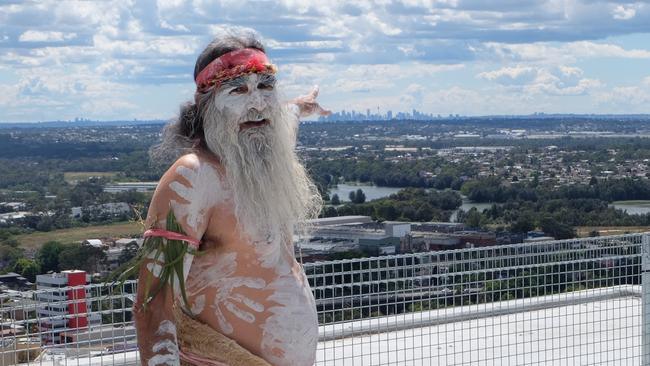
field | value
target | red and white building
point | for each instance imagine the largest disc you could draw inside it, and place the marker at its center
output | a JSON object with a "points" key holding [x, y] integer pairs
{"points": [[65, 309]]}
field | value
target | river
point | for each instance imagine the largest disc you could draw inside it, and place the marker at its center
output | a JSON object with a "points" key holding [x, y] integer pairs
{"points": [[371, 192], [633, 207], [466, 206], [374, 192]]}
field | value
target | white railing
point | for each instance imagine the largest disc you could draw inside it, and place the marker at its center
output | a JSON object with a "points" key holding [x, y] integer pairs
{"points": [[572, 302]]}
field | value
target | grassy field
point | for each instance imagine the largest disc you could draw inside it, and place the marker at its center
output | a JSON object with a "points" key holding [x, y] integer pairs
{"points": [[32, 242], [583, 231], [73, 177]]}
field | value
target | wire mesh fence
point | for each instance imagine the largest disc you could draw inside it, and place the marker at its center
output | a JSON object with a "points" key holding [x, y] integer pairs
{"points": [[80, 325], [572, 302]]}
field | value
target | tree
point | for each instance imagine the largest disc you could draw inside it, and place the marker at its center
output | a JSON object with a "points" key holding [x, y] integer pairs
{"points": [[48, 256], [535, 181], [352, 196], [329, 211], [84, 257], [9, 256], [27, 268], [128, 253], [335, 199], [386, 211], [360, 197], [424, 213], [524, 223], [556, 229], [473, 218]]}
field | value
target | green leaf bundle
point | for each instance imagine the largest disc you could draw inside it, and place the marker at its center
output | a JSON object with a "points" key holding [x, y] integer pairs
{"points": [[167, 253]]}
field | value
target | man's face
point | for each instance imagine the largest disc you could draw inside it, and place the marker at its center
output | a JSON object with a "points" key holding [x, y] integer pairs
{"points": [[247, 102]]}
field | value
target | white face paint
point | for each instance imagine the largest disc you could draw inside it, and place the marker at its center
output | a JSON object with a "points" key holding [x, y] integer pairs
{"points": [[238, 97], [203, 192], [170, 346], [220, 276]]}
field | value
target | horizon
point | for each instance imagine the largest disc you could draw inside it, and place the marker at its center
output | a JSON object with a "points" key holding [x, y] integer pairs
{"points": [[601, 116], [111, 61]]}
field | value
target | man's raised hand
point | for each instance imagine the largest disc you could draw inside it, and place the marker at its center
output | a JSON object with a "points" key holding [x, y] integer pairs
{"points": [[307, 104]]}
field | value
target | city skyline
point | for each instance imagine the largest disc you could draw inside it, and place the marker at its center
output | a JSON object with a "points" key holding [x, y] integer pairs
{"points": [[350, 115], [117, 60]]}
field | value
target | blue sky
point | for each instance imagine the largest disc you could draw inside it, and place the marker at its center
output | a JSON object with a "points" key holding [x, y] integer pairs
{"points": [[123, 59]]}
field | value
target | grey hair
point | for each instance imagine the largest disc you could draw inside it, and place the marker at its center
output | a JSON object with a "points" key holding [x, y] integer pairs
{"points": [[185, 133]]}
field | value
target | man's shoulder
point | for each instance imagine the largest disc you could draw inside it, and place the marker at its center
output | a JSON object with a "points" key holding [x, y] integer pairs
{"points": [[193, 178], [196, 159], [193, 162], [191, 170]]}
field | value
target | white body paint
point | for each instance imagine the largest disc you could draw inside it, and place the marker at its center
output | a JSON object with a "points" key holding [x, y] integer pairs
{"points": [[291, 332], [155, 269], [272, 254], [220, 276], [204, 192], [198, 305], [155, 266], [170, 346]]}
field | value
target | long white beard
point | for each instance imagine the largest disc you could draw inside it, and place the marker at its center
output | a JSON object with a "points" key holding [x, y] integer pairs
{"points": [[271, 189]]}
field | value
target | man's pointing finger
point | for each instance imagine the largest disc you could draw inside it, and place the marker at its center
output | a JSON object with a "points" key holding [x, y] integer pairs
{"points": [[314, 92]]}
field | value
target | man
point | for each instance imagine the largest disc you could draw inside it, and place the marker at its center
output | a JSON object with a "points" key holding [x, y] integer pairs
{"points": [[237, 194]]}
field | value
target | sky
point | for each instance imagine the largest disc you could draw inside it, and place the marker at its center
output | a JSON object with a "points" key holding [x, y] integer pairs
{"points": [[123, 60]]}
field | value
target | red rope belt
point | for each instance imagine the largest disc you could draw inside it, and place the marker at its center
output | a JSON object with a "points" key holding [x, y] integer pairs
{"points": [[162, 233]]}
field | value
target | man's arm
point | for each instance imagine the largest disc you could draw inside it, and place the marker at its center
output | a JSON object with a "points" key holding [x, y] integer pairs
{"points": [[155, 322]]}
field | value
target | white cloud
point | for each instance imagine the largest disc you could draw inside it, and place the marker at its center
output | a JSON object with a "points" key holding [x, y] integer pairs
{"points": [[510, 75], [160, 46], [115, 68], [166, 5], [591, 49], [39, 36], [542, 52], [622, 13], [410, 51], [178, 27], [558, 80], [625, 96], [382, 26], [276, 45], [412, 96]]}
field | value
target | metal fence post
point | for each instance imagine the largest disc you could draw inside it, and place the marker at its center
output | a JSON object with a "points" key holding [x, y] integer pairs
{"points": [[645, 300]]}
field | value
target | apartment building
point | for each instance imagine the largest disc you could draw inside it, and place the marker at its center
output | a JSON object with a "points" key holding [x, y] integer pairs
{"points": [[65, 309]]}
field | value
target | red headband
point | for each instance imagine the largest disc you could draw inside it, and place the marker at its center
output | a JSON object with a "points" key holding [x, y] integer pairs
{"points": [[232, 65]]}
